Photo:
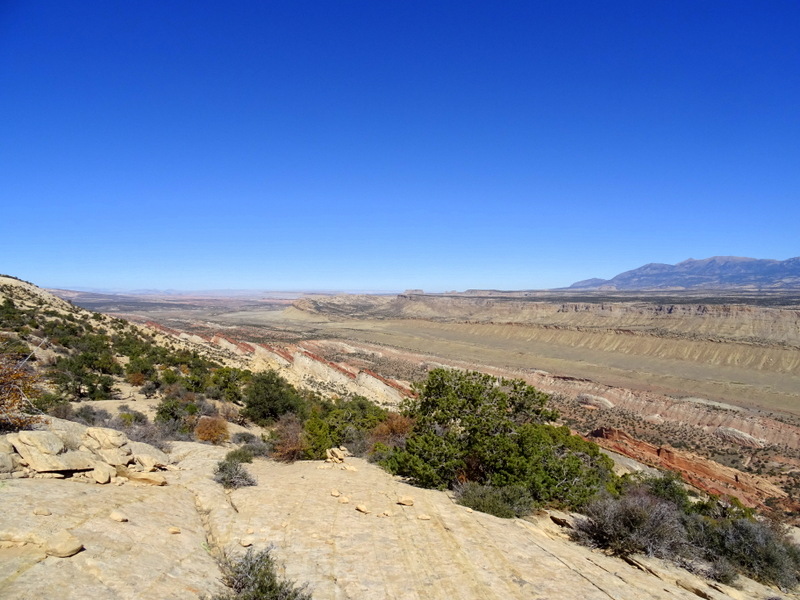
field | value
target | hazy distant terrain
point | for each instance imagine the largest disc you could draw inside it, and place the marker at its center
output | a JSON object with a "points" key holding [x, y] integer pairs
{"points": [[716, 273], [728, 347]]}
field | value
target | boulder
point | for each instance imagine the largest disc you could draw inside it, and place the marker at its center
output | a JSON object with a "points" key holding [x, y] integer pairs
{"points": [[334, 455], [63, 545], [44, 442], [5, 446], [6, 462], [105, 437], [39, 454], [116, 456], [103, 473], [149, 456], [148, 478]]}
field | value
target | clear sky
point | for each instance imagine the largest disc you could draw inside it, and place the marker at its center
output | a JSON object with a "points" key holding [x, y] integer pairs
{"points": [[385, 145]]}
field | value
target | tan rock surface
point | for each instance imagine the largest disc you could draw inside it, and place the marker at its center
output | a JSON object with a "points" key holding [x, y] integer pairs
{"points": [[340, 552]]}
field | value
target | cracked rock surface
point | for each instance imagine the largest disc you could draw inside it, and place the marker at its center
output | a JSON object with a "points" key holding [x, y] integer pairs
{"points": [[165, 547]]}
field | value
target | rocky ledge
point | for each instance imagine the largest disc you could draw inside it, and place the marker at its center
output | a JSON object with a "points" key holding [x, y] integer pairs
{"points": [[345, 527]]}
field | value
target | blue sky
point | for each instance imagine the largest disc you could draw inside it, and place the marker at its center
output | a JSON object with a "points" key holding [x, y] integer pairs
{"points": [[392, 145]]}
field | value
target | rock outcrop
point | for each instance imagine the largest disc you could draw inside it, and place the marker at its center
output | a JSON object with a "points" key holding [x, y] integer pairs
{"points": [[700, 472], [387, 540], [100, 454]]}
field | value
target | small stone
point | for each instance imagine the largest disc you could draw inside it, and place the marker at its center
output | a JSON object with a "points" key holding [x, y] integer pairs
{"points": [[335, 493], [250, 531], [385, 513], [406, 501], [63, 545], [42, 511], [246, 542], [350, 468], [424, 517], [344, 500], [468, 509], [362, 509], [174, 530], [118, 516]]}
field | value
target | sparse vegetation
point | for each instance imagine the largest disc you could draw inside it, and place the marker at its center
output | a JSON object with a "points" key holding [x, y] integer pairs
{"points": [[232, 475], [506, 502], [17, 386], [211, 429], [240, 455], [254, 576], [654, 516]]}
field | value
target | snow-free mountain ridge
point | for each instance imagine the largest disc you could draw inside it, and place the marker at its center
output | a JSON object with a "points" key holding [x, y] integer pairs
{"points": [[717, 272]]}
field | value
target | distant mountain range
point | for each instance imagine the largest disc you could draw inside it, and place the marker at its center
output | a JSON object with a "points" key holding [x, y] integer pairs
{"points": [[718, 272]]}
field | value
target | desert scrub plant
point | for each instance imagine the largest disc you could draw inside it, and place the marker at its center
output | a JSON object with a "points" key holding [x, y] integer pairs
{"points": [[505, 502], [637, 522], [258, 448], [288, 440], [243, 437], [211, 429], [17, 387], [254, 576], [759, 549], [232, 475], [240, 455]]}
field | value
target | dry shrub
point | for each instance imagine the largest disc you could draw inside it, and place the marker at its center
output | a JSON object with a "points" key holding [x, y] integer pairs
{"points": [[392, 432], [290, 444], [211, 429], [230, 412], [136, 379], [17, 385], [635, 523]]}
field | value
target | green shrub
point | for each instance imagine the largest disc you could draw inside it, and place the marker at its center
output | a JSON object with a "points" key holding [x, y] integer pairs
{"points": [[232, 475], [474, 427], [254, 576], [268, 396], [240, 455], [317, 436], [505, 502]]}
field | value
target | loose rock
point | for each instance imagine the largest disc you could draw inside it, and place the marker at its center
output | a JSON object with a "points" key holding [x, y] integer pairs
{"points": [[63, 545]]}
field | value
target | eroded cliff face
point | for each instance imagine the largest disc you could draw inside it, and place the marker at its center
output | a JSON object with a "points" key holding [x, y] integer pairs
{"points": [[709, 476], [715, 322]]}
